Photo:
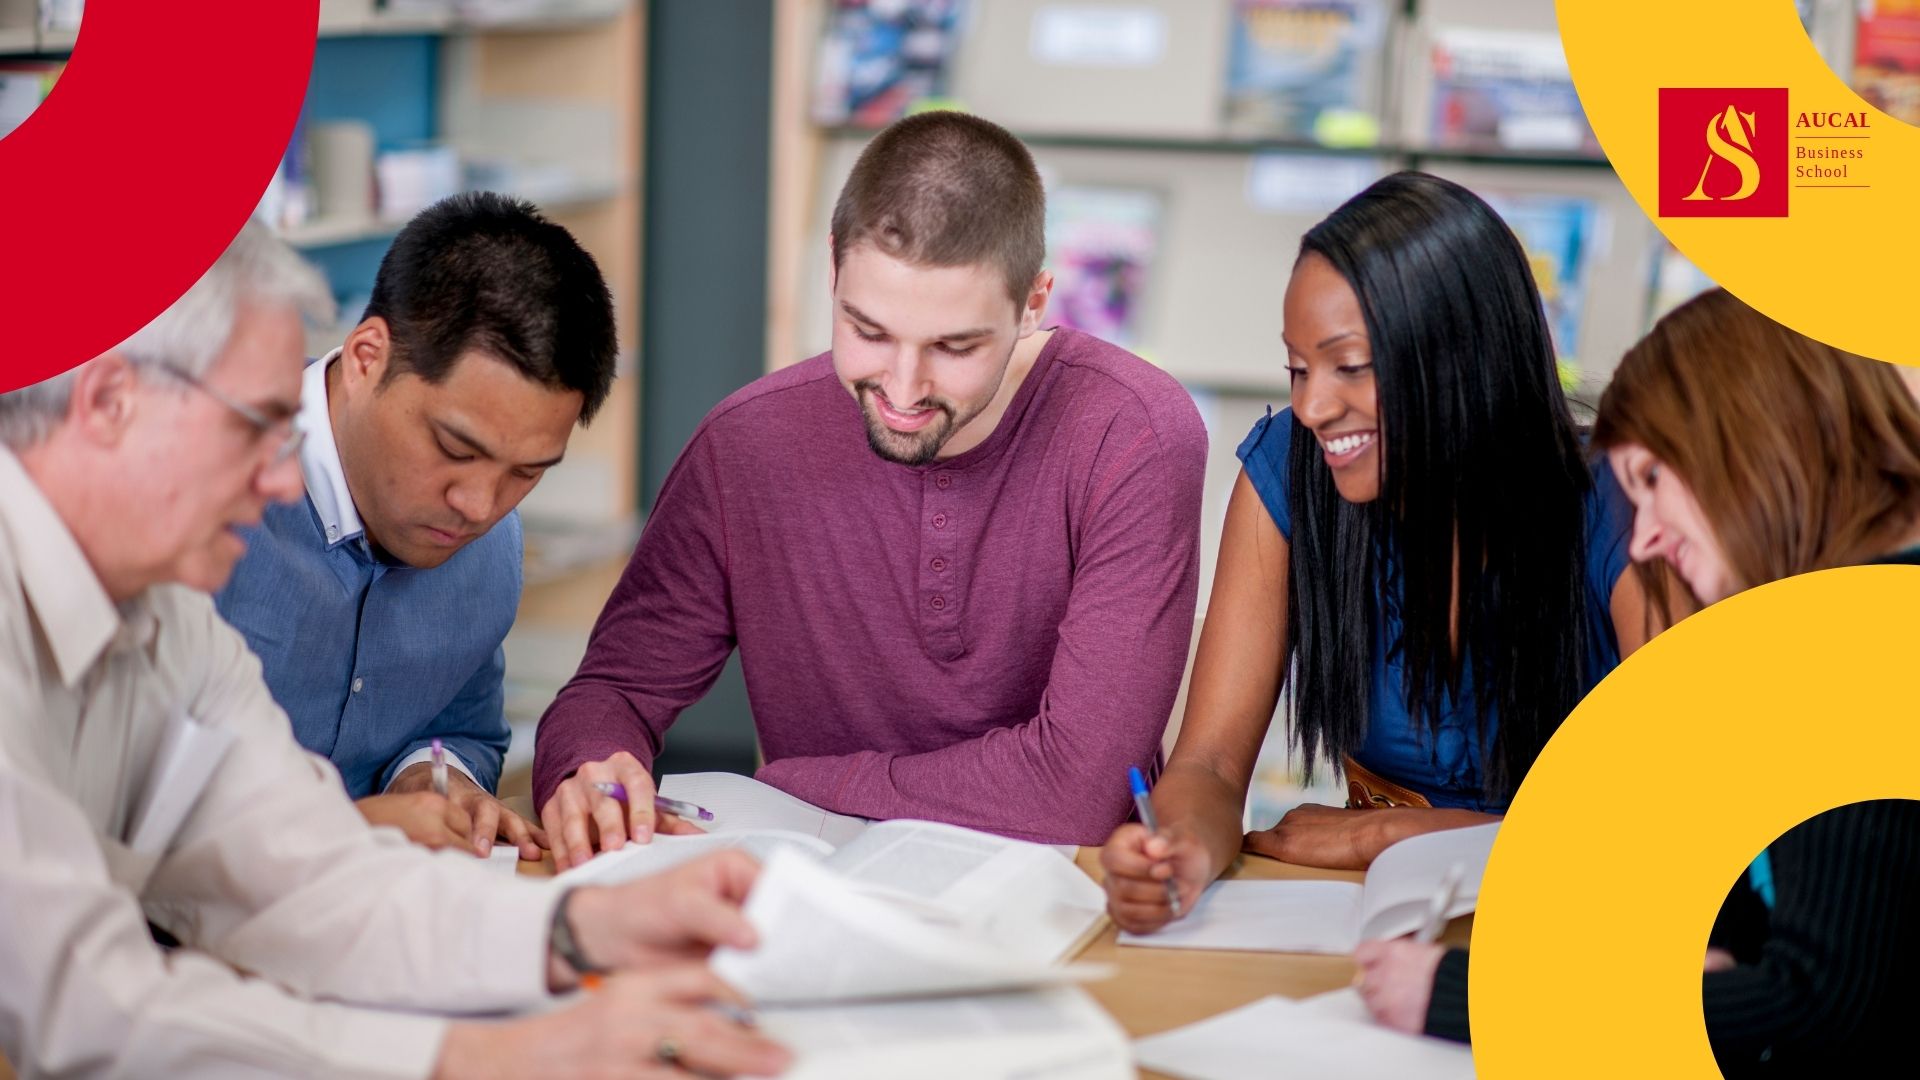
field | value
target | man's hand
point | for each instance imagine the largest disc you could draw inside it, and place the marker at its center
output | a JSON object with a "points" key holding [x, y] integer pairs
{"points": [[426, 818], [673, 916], [1396, 980], [488, 818], [652, 1026], [581, 820]]}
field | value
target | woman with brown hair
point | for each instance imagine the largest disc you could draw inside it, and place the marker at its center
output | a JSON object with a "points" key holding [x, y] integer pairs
{"points": [[1752, 453]]}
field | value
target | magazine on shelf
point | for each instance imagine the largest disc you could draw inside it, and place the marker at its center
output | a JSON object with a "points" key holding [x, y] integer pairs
{"points": [[879, 58], [1101, 243], [1505, 91], [1558, 233], [1306, 69]]}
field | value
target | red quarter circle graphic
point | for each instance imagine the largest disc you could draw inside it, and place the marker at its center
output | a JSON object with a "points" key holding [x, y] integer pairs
{"points": [[139, 168]]}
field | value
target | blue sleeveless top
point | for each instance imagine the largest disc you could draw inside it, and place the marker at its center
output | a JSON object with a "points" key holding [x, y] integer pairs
{"points": [[1446, 767]]}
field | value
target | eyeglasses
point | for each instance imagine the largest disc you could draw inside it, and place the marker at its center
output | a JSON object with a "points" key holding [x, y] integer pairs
{"points": [[263, 426]]}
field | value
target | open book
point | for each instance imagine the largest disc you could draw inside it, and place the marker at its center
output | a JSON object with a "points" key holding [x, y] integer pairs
{"points": [[847, 909], [1334, 916]]}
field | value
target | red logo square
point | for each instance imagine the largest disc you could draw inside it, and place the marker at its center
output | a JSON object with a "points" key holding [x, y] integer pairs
{"points": [[1724, 152]]}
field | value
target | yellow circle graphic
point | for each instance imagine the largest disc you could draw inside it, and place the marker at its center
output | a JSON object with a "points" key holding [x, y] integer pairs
{"points": [[1838, 265], [1697, 752]]}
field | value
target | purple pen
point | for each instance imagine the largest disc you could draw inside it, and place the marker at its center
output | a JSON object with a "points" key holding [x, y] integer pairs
{"points": [[660, 802]]}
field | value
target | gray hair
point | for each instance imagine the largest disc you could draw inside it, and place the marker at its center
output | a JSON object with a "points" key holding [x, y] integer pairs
{"points": [[256, 269]]}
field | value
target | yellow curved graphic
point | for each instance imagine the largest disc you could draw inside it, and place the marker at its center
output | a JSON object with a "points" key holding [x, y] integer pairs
{"points": [[1838, 265], [1681, 766]]}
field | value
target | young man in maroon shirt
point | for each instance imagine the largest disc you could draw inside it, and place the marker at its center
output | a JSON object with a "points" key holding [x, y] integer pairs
{"points": [[958, 553]]}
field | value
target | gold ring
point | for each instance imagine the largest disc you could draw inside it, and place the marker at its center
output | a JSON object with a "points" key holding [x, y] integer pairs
{"points": [[668, 1050]]}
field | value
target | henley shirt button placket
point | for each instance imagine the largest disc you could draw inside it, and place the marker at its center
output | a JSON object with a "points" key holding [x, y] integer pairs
{"points": [[938, 603]]}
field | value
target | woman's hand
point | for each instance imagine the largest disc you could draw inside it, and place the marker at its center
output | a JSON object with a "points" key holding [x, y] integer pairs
{"points": [[1138, 865]]}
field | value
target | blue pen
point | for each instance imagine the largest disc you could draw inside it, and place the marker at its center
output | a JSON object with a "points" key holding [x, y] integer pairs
{"points": [[1145, 806]]}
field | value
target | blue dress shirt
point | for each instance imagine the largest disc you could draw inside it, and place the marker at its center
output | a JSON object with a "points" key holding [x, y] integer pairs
{"points": [[373, 660]]}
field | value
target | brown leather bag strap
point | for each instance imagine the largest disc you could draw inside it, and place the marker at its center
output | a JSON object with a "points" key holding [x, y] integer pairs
{"points": [[1366, 790]]}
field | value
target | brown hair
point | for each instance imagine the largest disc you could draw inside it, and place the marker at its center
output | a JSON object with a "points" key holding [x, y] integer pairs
{"points": [[1801, 456], [947, 189]]}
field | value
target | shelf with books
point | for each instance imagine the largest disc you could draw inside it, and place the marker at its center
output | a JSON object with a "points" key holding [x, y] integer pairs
{"points": [[345, 22]]}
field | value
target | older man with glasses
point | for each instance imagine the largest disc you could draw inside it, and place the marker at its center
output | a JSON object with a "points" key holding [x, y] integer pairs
{"points": [[146, 774]]}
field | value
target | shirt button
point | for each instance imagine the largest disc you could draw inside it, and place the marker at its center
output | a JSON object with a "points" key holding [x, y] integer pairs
{"points": [[943, 481], [939, 521], [938, 565], [333, 532], [357, 683], [938, 603]]}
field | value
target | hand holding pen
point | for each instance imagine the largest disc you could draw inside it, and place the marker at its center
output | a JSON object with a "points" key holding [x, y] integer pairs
{"points": [[1143, 804], [605, 804]]}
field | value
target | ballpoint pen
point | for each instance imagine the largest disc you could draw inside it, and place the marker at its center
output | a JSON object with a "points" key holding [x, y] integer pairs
{"points": [[661, 803], [1145, 806], [1442, 900], [439, 770]]}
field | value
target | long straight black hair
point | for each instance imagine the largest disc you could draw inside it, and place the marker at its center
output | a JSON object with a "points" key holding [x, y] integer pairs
{"points": [[1483, 487]]}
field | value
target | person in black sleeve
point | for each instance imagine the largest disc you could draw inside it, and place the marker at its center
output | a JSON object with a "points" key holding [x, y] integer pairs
{"points": [[1709, 420]]}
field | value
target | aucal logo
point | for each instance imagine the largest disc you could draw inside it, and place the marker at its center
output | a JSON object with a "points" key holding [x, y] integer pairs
{"points": [[1723, 152]]}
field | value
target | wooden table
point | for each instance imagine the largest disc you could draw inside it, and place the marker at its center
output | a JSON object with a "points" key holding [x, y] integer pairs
{"points": [[1154, 990]]}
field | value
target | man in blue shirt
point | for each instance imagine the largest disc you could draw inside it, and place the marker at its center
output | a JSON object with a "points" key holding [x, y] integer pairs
{"points": [[378, 603]]}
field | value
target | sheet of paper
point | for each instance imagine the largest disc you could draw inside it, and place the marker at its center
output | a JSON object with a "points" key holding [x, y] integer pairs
{"points": [[1024, 897], [824, 939], [1346, 1004], [1265, 916], [505, 858], [1402, 880], [1052, 1034], [189, 753], [1277, 1037], [741, 802], [664, 852]]}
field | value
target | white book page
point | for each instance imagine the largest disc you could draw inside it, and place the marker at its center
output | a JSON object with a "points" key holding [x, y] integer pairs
{"points": [[1022, 896], [664, 852], [741, 802], [1265, 916], [1056, 1034], [823, 939], [1274, 1037], [1403, 879]]}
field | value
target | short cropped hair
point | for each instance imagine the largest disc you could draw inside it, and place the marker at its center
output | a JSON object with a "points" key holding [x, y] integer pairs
{"points": [[486, 272], [947, 189]]}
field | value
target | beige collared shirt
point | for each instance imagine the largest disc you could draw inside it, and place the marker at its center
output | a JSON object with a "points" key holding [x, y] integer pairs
{"points": [[271, 871]]}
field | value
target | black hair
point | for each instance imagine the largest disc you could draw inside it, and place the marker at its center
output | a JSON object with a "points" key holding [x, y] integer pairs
{"points": [[1481, 457], [487, 272]]}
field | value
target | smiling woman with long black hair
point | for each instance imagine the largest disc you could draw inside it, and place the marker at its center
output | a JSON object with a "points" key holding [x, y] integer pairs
{"points": [[1418, 550]]}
